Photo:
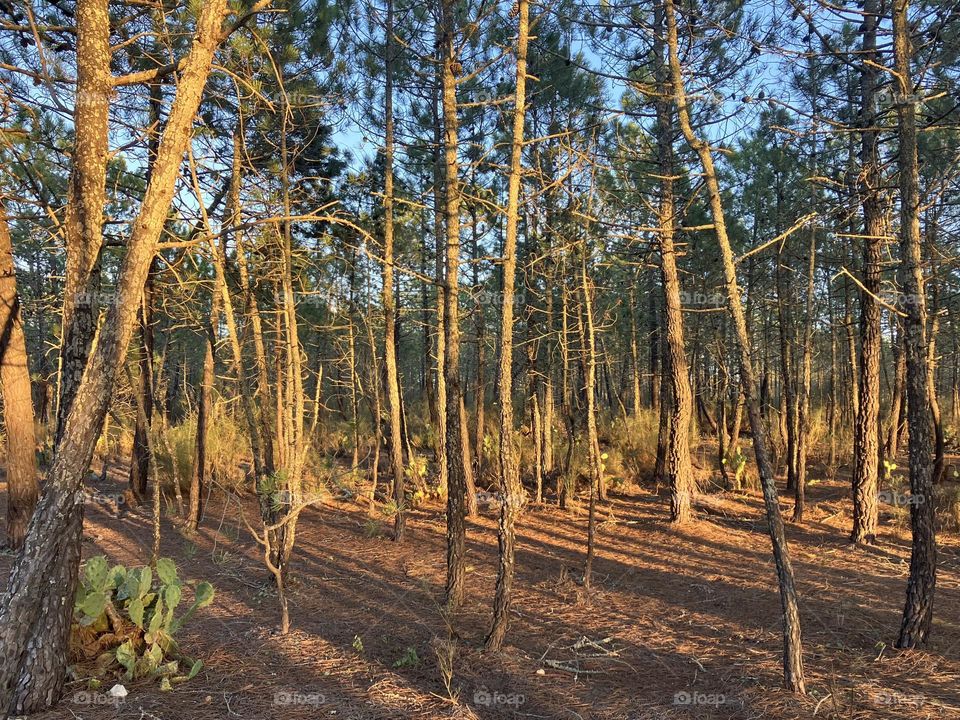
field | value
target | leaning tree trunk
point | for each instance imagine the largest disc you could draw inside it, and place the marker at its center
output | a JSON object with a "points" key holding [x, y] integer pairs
{"points": [[36, 607], [17, 400], [140, 456], [792, 648], [918, 609]]}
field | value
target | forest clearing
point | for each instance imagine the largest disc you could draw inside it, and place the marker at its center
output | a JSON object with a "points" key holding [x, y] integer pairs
{"points": [[469, 359]]}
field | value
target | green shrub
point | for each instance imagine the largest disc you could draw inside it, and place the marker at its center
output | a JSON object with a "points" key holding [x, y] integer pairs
{"points": [[228, 448], [633, 445], [130, 618]]}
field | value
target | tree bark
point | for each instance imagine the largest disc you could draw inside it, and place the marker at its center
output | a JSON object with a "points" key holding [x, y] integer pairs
{"points": [[866, 450], [512, 492], [918, 609], [201, 464], [140, 460], [792, 648], [22, 487], [36, 607], [389, 311], [679, 469], [455, 430]]}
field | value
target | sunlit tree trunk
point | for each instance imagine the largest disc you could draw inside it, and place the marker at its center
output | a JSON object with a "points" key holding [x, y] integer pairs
{"points": [[456, 427], [389, 312], [918, 609], [679, 469], [792, 647], [806, 377], [21, 441], [36, 607], [587, 339], [866, 440], [510, 488]]}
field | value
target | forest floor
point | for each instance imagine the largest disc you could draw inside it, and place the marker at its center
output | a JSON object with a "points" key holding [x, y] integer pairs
{"points": [[680, 623]]}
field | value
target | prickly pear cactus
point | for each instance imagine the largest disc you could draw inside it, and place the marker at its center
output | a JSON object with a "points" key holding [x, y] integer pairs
{"points": [[127, 619]]}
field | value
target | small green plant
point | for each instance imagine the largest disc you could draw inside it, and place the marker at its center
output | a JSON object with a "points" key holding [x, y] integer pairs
{"points": [[389, 509], [357, 644], [889, 468], [134, 614], [740, 467], [372, 528], [408, 659]]}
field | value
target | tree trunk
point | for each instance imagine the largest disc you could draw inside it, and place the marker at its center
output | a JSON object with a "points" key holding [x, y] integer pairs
{"points": [[439, 234], [792, 648], [17, 400], [939, 465], [512, 498], [866, 451], [36, 607], [140, 460], [679, 469], [201, 464], [389, 311], [456, 472], [895, 419], [918, 609], [806, 372]]}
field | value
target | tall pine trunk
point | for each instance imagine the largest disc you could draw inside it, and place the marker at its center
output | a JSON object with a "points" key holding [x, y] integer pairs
{"points": [[866, 440], [36, 607], [511, 491], [456, 427], [679, 469], [389, 310], [17, 400], [918, 609], [792, 648]]}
